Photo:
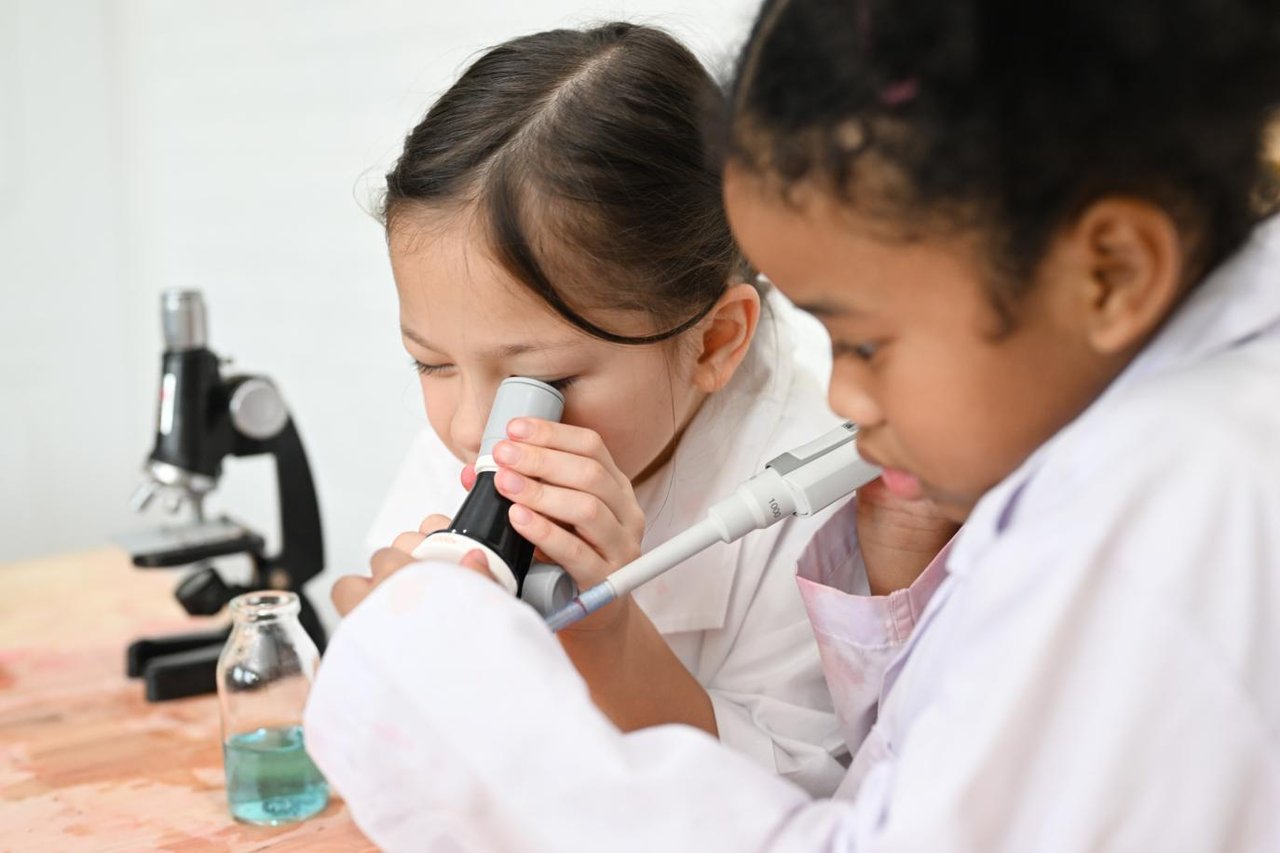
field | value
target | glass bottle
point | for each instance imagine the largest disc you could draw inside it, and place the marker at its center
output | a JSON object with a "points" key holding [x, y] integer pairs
{"points": [[264, 675]]}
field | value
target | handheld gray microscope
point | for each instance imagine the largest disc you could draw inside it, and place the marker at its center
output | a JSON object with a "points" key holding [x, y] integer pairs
{"points": [[204, 417]]}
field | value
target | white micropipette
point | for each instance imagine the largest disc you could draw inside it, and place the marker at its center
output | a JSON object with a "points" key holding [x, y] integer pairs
{"points": [[802, 482]]}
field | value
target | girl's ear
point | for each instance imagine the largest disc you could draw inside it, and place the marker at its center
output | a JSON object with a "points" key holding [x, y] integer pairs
{"points": [[724, 336], [1133, 259]]}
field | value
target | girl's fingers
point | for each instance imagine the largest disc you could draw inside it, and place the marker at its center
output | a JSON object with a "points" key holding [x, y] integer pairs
{"points": [[433, 523], [561, 547], [476, 562], [468, 476], [898, 538], [386, 562], [578, 441], [567, 470], [575, 439], [406, 542], [587, 514], [349, 591]]}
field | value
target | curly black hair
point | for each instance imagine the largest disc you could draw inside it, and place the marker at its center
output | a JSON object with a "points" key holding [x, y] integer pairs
{"points": [[1011, 117]]}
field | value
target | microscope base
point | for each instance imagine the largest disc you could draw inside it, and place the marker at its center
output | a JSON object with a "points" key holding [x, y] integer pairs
{"points": [[178, 666]]}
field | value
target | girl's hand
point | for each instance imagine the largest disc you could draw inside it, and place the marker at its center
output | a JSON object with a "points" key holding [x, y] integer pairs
{"points": [[898, 537], [406, 542], [349, 591], [571, 501]]}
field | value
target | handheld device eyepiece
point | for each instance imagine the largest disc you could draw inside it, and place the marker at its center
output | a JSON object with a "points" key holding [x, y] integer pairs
{"points": [[481, 522]]}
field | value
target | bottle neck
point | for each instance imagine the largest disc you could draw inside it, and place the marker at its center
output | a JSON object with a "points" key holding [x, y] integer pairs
{"points": [[264, 606]]}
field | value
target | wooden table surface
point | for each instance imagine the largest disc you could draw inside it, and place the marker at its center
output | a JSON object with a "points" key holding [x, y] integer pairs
{"points": [[86, 763]]}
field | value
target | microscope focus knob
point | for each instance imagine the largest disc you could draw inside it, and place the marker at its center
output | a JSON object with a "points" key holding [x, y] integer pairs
{"points": [[257, 409], [204, 592]]}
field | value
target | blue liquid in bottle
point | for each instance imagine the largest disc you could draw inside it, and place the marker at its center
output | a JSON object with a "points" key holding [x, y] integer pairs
{"points": [[271, 779]]}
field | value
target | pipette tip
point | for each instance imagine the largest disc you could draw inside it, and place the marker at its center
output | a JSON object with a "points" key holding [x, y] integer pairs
{"points": [[582, 606]]}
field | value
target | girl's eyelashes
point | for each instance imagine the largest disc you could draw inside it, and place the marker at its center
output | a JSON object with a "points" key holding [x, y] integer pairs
{"points": [[862, 350], [424, 369], [428, 369], [561, 384]]}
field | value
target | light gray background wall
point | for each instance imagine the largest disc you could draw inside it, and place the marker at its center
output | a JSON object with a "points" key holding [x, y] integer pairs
{"points": [[232, 147]]}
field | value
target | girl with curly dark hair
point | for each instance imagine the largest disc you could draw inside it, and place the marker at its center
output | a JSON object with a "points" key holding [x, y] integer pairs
{"points": [[1039, 237]]}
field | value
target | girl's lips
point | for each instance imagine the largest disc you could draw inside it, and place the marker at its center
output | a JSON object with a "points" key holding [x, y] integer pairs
{"points": [[897, 481], [902, 484]]}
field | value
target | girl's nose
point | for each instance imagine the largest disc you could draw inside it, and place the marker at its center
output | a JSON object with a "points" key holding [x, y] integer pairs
{"points": [[850, 399], [467, 427]]}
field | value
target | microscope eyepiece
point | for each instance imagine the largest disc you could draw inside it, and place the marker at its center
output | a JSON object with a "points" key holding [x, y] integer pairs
{"points": [[184, 320]]}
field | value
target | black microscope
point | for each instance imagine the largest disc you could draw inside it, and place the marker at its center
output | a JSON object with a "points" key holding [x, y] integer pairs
{"points": [[204, 417]]}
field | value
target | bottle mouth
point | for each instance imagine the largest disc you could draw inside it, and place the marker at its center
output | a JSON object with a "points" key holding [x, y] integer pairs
{"points": [[264, 605]]}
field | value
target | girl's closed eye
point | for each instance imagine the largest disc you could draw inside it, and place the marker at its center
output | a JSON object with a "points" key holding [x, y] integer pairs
{"points": [[425, 369], [560, 384], [861, 350]]}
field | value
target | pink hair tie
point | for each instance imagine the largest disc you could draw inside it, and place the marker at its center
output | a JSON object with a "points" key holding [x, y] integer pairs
{"points": [[900, 92]]}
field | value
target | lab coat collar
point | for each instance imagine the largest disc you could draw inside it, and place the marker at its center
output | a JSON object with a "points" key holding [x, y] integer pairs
{"points": [[1237, 301], [727, 441]]}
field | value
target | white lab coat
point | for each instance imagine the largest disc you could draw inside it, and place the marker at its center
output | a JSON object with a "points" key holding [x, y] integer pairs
{"points": [[1097, 667], [731, 614]]}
